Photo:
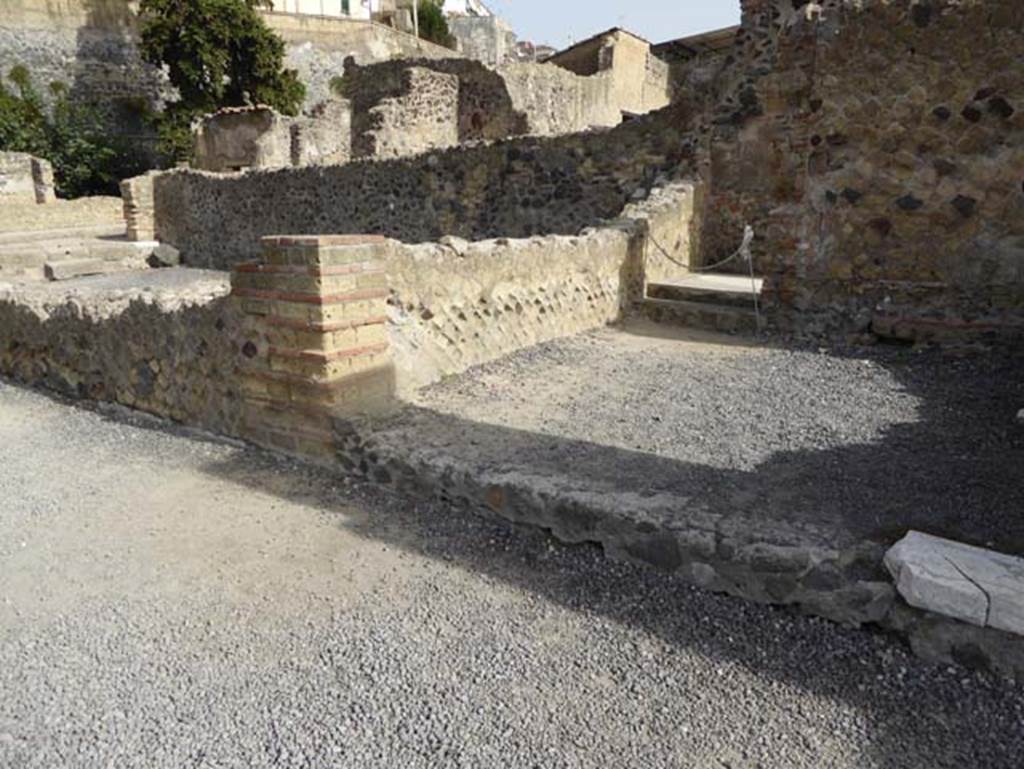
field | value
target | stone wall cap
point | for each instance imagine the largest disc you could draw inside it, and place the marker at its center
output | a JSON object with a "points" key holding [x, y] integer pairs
{"points": [[321, 240]]}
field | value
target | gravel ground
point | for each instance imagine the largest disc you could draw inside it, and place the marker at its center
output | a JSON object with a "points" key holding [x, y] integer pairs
{"points": [[861, 445], [169, 600]]}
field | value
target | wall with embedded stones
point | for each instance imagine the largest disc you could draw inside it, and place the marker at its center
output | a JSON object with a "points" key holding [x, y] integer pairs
{"points": [[877, 148], [514, 188], [165, 345], [401, 99], [457, 303], [420, 113]]}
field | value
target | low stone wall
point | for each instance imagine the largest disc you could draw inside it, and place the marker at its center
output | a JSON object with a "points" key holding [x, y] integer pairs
{"points": [[457, 304], [515, 188], [163, 342], [25, 179]]}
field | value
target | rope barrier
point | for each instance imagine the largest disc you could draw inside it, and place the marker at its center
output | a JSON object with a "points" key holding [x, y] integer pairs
{"points": [[743, 251]]}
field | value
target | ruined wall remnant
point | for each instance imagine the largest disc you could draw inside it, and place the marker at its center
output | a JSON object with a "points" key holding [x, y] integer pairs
{"points": [[877, 149], [413, 105], [239, 138], [402, 110], [487, 39], [640, 82], [514, 188], [244, 137], [24, 178], [317, 46]]}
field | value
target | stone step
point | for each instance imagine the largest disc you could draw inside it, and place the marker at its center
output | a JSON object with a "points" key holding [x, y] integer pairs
{"points": [[38, 253], [67, 269], [725, 290], [85, 232], [702, 315]]}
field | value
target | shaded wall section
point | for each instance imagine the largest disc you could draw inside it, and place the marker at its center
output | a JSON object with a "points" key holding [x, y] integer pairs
{"points": [[877, 148]]}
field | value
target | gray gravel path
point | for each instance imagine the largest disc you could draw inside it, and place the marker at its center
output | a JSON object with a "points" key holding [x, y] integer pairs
{"points": [[862, 445], [169, 601]]}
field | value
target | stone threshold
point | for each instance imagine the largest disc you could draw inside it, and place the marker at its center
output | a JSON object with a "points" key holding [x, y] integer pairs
{"points": [[421, 454]]}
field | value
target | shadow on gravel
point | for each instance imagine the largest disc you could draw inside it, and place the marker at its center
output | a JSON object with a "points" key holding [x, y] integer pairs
{"points": [[957, 472]]}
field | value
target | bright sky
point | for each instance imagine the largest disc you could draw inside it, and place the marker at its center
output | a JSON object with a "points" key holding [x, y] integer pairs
{"points": [[562, 22]]}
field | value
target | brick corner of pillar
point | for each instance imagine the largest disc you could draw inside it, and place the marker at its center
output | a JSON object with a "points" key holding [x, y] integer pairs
{"points": [[315, 339]]}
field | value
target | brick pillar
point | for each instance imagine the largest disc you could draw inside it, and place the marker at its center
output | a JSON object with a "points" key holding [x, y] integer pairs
{"points": [[137, 199], [316, 344]]}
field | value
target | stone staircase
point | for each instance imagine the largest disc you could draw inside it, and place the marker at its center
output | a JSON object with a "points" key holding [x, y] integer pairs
{"points": [[61, 254], [708, 301]]}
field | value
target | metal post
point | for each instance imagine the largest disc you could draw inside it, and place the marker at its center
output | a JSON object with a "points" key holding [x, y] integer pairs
{"points": [[416, 17]]}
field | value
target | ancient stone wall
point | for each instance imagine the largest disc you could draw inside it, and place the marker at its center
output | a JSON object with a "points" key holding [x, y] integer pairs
{"points": [[456, 304], [317, 46], [25, 179], [484, 38], [168, 350], [482, 104], [92, 46], [233, 139], [640, 82], [238, 138], [422, 112], [514, 188], [877, 149]]}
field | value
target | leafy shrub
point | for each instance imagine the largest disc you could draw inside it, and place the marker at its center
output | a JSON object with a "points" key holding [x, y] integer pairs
{"points": [[433, 25], [218, 53], [87, 157]]}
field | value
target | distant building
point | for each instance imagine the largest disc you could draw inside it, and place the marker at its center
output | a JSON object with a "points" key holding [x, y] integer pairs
{"points": [[640, 80], [695, 61], [354, 9]]}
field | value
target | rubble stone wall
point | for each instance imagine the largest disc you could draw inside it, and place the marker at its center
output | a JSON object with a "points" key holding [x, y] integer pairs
{"points": [[484, 105], [877, 149], [515, 188], [170, 352], [422, 114]]}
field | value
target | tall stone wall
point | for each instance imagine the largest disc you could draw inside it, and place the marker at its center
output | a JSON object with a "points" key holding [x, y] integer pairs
{"points": [[317, 46], [877, 149], [514, 188], [92, 46]]}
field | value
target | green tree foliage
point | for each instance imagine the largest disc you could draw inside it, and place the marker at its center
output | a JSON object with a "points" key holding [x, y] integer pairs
{"points": [[75, 138], [218, 53], [433, 25]]}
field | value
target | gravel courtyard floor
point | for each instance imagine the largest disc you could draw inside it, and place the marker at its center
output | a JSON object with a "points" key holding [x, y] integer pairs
{"points": [[169, 600], [837, 448]]}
